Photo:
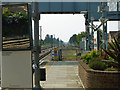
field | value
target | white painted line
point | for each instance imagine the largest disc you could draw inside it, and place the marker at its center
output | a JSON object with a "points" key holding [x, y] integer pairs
{"points": [[81, 82], [42, 60]]}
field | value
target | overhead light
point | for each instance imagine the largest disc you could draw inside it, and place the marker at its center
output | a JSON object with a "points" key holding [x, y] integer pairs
{"points": [[84, 12], [99, 9]]}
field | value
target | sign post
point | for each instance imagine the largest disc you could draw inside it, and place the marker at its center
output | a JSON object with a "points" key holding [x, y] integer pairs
{"points": [[95, 44], [55, 54]]}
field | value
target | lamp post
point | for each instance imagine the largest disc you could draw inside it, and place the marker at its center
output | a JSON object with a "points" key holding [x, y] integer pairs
{"points": [[54, 41]]}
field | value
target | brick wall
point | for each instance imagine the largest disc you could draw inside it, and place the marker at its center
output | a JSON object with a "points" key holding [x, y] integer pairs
{"points": [[98, 79]]}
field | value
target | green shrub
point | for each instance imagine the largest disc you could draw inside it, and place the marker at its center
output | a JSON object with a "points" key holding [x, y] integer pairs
{"points": [[14, 23], [86, 58], [97, 65], [110, 46], [90, 56], [111, 59], [95, 59], [114, 52], [110, 69], [95, 53], [86, 61], [83, 56]]}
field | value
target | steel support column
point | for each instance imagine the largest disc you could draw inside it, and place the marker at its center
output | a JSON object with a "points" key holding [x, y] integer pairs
{"points": [[0, 28], [87, 42], [98, 40], [89, 48], [30, 25], [87, 31], [40, 39], [92, 35], [87, 38], [103, 36], [36, 44], [106, 42]]}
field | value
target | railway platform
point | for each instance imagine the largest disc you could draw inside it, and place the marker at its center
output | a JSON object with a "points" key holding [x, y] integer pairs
{"points": [[61, 75]]}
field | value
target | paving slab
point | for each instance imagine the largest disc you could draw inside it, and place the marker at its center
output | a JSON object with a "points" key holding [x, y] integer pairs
{"points": [[61, 74]]}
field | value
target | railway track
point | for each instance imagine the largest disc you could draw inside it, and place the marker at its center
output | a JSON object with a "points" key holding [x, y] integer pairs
{"points": [[16, 43], [19, 43], [24, 43], [43, 54]]}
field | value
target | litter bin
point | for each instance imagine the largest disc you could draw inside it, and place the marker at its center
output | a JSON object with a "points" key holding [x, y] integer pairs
{"points": [[42, 74]]}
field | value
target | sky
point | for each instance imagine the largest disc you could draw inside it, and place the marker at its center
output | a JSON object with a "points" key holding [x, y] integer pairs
{"points": [[63, 26]]}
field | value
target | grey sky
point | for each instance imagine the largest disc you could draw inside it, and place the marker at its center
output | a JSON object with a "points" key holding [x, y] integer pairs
{"points": [[65, 25], [62, 25], [113, 25]]}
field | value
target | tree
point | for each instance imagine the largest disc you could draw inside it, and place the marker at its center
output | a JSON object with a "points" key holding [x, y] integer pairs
{"points": [[47, 38], [14, 24], [83, 34], [73, 39], [49, 41], [80, 36]]}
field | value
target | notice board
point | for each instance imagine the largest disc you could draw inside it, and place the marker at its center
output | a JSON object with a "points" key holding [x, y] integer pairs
{"points": [[16, 70]]}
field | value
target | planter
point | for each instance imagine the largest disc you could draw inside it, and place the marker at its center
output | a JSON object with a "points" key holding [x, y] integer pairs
{"points": [[98, 79]]}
